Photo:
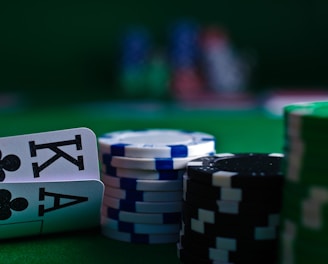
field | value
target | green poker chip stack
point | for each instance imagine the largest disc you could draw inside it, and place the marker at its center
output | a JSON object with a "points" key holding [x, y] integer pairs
{"points": [[304, 216]]}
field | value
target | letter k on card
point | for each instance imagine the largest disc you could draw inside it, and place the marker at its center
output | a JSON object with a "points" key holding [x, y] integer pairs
{"points": [[63, 155]]}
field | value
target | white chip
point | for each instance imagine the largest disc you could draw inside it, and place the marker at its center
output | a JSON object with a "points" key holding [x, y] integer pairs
{"points": [[141, 228], [140, 218], [134, 238], [156, 143], [150, 163], [142, 185], [145, 196], [142, 207]]}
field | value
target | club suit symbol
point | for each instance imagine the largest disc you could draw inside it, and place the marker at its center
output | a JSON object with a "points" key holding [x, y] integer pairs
{"points": [[7, 204], [8, 163]]}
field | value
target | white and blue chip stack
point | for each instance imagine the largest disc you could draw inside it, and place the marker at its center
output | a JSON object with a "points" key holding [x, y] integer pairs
{"points": [[231, 209], [143, 175]]}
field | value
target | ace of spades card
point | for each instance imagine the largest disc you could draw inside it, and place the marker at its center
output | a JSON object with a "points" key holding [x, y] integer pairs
{"points": [[49, 182]]}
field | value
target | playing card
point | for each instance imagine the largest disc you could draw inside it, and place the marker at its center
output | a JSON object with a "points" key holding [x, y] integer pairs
{"points": [[62, 155], [46, 207]]}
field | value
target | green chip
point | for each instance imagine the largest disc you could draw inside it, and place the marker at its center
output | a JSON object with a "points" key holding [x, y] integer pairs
{"points": [[306, 207], [306, 169], [304, 214], [306, 120], [300, 251]]}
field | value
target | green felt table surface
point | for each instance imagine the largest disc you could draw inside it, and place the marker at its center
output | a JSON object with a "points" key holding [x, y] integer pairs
{"points": [[242, 131]]}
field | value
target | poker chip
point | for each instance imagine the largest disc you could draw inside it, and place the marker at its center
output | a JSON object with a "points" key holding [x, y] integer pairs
{"points": [[191, 238], [223, 255], [156, 143], [232, 231], [304, 214], [146, 163], [143, 218], [184, 52], [306, 120], [231, 208], [219, 256], [237, 170], [142, 185], [135, 50], [207, 191], [145, 196], [183, 42], [138, 238], [137, 228], [142, 207], [224, 69], [142, 172], [307, 250], [186, 257], [257, 218]]}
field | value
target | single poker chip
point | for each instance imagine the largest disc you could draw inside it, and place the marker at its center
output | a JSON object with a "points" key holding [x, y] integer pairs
{"points": [[143, 174], [306, 170], [302, 250], [143, 196], [214, 217], [186, 256], [136, 228], [142, 185], [307, 159], [139, 238], [190, 239], [147, 163], [300, 172], [308, 221], [233, 207], [237, 232], [142, 207], [242, 256], [247, 170], [156, 143], [307, 121], [318, 193], [309, 147], [307, 208], [142, 218], [304, 233], [232, 194]]}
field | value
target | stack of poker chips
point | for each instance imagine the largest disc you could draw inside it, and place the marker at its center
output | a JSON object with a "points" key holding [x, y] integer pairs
{"points": [[231, 209], [225, 71], [304, 236], [142, 173], [184, 58], [135, 52]]}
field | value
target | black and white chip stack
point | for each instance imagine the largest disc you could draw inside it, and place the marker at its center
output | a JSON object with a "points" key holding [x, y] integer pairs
{"points": [[143, 176], [231, 209]]}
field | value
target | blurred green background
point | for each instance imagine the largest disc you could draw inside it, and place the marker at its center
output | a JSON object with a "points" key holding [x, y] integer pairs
{"points": [[66, 51]]}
